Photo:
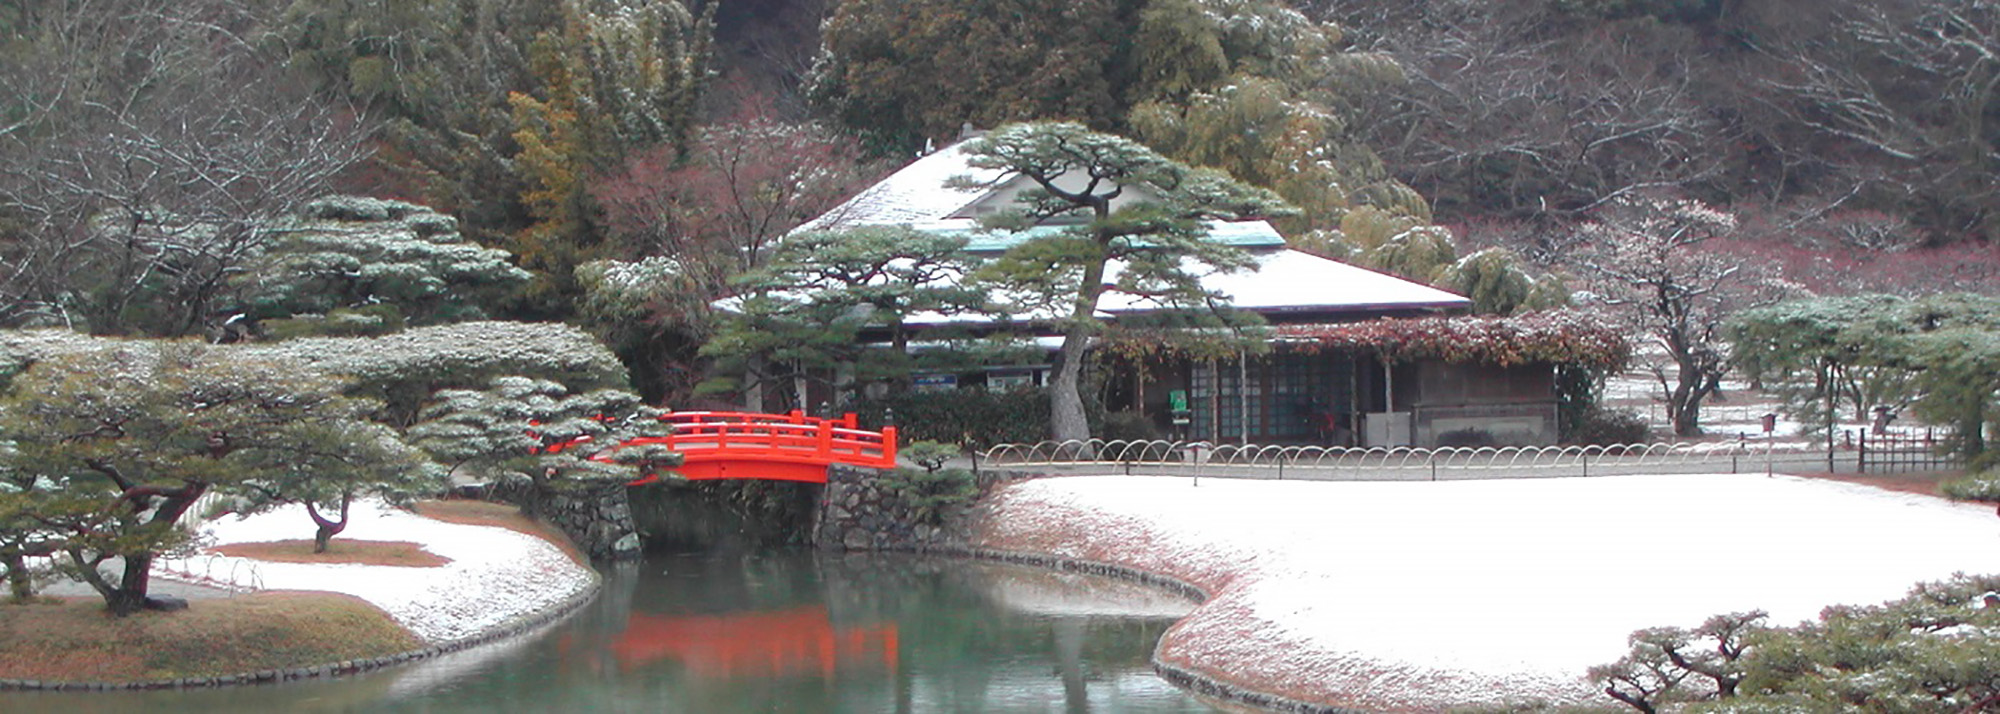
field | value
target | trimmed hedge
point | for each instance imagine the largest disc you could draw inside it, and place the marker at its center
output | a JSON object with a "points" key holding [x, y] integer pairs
{"points": [[963, 416]]}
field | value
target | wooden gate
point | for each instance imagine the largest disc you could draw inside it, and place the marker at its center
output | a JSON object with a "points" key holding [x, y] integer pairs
{"points": [[1905, 450]]}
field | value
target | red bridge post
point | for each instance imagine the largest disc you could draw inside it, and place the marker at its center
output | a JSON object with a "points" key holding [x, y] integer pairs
{"points": [[889, 447]]}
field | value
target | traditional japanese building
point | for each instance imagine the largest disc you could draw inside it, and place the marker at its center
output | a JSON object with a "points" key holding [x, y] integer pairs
{"points": [[1316, 384]]}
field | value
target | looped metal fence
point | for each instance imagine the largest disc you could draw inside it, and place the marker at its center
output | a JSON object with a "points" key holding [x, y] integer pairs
{"points": [[237, 575], [1200, 458]]}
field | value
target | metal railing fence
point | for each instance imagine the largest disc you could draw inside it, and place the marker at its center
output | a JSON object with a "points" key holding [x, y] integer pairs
{"points": [[1338, 463]]}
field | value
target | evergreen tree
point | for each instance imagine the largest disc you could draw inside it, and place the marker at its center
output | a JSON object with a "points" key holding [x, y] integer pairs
{"points": [[1929, 651], [1938, 354], [1157, 233], [551, 438], [332, 467], [804, 312], [352, 265], [110, 448], [906, 72]]}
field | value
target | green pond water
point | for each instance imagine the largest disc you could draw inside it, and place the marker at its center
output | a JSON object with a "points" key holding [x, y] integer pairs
{"points": [[769, 631]]}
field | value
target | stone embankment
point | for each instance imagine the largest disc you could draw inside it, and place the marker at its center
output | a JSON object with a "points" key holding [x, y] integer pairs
{"points": [[598, 519]]}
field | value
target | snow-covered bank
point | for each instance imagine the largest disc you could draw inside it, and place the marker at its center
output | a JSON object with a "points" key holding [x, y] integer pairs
{"points": [[1418, 596], [496, 577]]}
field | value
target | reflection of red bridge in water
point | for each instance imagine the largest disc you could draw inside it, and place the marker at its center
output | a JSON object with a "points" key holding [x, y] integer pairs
{"points": [[782, 447], [789, 642]]}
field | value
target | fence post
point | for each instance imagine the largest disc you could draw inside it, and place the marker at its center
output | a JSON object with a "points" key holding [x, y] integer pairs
{"points": [[1861, 453]]}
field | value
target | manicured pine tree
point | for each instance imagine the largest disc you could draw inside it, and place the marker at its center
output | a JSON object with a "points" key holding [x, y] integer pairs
{"points": [[1160, 235]]}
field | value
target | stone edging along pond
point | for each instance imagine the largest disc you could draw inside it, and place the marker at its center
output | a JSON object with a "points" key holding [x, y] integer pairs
{"points": [[1196, 682], [516, 626]]}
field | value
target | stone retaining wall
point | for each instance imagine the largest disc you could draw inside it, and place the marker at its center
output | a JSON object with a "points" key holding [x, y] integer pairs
{"points": [[597, 517], [858, 510]]}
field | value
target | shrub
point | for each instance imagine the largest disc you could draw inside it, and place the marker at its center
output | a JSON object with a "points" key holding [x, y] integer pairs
{"points": [[932, 494], [964, 416], [1977, 487], [1129, 426], [365, 321], [931, 455], [1604, 427], [358, 208]]}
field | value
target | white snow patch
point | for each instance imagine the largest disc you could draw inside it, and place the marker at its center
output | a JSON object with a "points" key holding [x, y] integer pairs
{"points": [[1428, 595], [495, 575]]}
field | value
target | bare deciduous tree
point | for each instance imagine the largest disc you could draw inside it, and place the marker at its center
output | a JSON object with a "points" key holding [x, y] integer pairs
{"points": [[1503, 113], [1645, 257], [139, 178], [1906, 98]]}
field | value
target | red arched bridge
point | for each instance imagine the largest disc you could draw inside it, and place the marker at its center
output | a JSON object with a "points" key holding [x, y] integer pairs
{"points": [[782, 447]]}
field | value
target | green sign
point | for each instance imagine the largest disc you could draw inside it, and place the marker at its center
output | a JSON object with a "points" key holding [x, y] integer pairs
{"points": [[1177, 400]]}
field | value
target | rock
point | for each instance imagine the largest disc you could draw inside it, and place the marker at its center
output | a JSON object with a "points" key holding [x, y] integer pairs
{"points": [[166, 603], [856, 540], [627, 544]]}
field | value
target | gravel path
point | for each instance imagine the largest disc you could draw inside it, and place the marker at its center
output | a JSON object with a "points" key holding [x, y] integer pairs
{"points": [[159, 586]]}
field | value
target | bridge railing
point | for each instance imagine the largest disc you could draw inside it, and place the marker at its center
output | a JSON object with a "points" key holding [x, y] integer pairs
{"points": [[791, 436], [795, 416]]}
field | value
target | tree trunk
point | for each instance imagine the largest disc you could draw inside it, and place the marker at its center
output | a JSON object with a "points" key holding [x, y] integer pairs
{"points": [[1066, 418], [328, 528], [19, 583], [1972, 432], [130, 595], [1693, 384]]}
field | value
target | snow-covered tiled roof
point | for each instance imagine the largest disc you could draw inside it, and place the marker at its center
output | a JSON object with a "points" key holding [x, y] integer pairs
{"points": [[1242, 234], [1284, 280], [1295, 281], [914, 194]]}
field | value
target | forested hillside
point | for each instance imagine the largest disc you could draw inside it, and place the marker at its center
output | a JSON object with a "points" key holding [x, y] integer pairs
{"points": [[635, 155]]}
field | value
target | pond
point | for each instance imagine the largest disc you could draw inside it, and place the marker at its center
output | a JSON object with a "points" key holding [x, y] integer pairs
{"points": [[754, 630]]}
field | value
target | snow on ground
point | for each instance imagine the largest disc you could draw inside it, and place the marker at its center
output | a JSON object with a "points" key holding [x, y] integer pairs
{"points": [[1417, 596], [495, 576]]}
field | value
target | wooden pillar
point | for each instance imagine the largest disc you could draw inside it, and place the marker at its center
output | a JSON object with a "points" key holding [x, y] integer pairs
{"points": [[1214, 401], [1354, 397], [1242, 397]]}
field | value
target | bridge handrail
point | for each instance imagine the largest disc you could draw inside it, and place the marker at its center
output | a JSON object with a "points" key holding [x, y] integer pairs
{"points": [[792, 437], [849, 420], [704, 434]]}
